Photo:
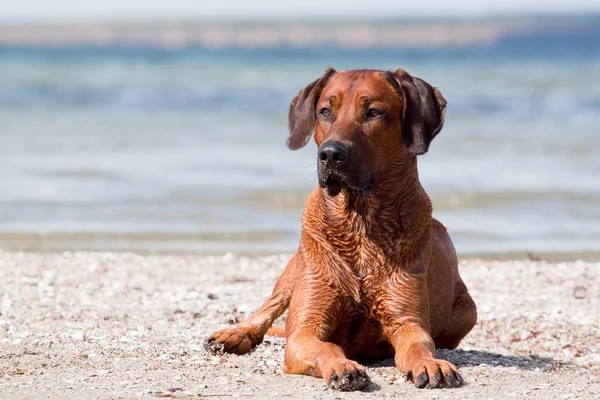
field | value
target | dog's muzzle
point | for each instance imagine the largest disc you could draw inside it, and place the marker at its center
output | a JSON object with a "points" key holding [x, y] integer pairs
{"points": [[335, 172], [333, 166]]}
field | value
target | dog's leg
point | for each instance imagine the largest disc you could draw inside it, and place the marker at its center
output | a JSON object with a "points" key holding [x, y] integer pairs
{"points": [[246, 335], [462, 319], [312, 326], [415, 355], [405, 316], [307, 354]]}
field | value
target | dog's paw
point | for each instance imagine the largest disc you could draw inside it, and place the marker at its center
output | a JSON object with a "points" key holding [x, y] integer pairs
{"points": [[346, 376], [234, 340], [433, 374]]}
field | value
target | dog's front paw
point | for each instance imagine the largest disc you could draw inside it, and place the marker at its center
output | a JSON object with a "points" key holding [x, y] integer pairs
{"points": [[346, 376], [234, 340], [432, 373]]}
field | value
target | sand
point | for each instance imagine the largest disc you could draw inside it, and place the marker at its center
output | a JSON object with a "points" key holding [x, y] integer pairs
{"points": [[119, 325]]}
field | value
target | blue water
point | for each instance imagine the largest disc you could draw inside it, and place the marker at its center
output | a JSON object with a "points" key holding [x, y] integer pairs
{"points": [[149, 149]]}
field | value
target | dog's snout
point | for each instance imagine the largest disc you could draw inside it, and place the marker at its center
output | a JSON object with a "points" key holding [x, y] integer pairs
{"points": [[333, 153]]}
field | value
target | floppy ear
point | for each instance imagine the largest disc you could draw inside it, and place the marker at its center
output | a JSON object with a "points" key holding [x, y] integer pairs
{"points": [[424, 111], [302, 111]]}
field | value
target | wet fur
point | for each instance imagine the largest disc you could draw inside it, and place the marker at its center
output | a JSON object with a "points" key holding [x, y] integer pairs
{"points": [[374, 276]]}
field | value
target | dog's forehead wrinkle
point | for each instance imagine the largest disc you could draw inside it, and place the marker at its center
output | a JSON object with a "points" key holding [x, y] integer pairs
{"points": [[358, 88], [379, 92], [364, 99], [334, 100], [349, 81]]}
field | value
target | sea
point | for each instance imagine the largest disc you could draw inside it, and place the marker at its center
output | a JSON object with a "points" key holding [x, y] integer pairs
{"points": [[132, 147]]}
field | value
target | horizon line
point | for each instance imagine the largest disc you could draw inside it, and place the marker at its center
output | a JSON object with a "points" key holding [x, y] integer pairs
{"points": [[425, 17]]}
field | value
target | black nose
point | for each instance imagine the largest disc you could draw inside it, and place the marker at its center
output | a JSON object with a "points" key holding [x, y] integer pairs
{"points": [[334, 153]]}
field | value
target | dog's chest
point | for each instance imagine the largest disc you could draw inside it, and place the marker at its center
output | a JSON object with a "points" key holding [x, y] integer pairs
{"points": [[364, 238], [365, 259], [360, 327], [365, 247], [367, 270]]}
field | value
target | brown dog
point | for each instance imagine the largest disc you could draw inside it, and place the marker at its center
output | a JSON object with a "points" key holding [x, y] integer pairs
{"points": [[375, 275]]}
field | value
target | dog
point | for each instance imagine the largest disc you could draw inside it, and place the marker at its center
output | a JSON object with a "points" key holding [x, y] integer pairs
{"points": [[374, 276]]}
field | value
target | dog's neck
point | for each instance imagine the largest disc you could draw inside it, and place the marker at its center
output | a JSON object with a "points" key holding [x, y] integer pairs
{"points": [[397, 212]]}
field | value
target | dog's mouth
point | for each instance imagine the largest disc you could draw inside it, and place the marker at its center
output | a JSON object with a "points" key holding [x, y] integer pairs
{"points": [[334, 183]]}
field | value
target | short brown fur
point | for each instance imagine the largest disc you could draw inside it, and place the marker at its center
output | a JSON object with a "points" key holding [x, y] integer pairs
{"points": [[375, 275]]}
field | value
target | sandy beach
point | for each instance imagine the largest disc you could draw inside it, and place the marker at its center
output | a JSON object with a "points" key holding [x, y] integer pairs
{"points": [[119, 325]]}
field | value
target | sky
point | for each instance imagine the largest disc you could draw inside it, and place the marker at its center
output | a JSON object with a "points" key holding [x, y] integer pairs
{"points": [[61, 10]]}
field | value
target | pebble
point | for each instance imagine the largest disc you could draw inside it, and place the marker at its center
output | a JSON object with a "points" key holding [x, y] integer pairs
{"points": [[532, 326]]}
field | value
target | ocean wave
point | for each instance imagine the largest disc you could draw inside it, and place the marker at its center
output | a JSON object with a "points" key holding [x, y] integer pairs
{"points": [[34, 95]]}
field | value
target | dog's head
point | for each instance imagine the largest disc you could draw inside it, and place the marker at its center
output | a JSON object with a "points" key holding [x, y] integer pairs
{"points": [[364, 122]]}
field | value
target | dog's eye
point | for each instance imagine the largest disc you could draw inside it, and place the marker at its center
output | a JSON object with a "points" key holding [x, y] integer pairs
{"points": [[373, 112], [325, 112]]}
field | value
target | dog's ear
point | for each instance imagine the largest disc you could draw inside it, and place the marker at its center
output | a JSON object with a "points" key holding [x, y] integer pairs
{"points": [[302, 111], [424, 110]]}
